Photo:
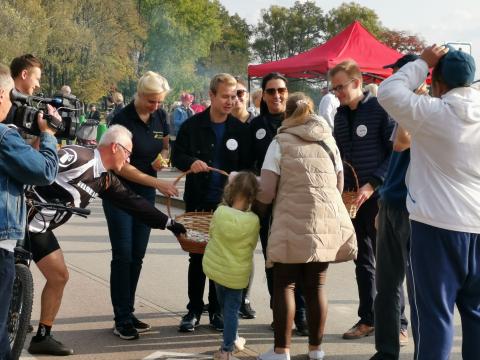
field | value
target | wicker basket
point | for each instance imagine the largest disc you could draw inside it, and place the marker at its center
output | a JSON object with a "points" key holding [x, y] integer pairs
{"points": [[350, 196], [197, 224]]}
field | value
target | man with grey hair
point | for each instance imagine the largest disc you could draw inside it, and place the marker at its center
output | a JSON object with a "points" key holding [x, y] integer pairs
{"points": [[20, 164], [65, 90], [84, 174]]}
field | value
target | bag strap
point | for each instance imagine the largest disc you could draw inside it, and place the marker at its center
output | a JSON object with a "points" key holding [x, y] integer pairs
{"points": [[329, 152]]}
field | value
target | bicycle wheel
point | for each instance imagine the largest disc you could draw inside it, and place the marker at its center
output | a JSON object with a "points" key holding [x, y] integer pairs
{"points": [[20, 309]]}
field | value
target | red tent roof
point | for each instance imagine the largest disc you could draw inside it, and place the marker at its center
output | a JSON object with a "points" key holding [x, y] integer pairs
{"points": [[355, 42]]}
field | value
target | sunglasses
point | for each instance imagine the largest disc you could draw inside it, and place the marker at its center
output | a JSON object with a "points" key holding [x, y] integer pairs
{"points": [[241, 92], [273, 91], [340, 88]]}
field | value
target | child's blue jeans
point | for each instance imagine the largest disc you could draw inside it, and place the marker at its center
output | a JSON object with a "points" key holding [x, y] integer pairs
{"points": [[230, 301]]}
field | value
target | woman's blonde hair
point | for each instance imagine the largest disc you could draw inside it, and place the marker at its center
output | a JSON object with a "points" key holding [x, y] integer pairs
{"points": [[117, 97], [152, 83], [244, 184], [298, 106]]}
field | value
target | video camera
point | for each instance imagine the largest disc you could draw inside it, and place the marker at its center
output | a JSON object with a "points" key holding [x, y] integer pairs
{"points": [[28, 107]]}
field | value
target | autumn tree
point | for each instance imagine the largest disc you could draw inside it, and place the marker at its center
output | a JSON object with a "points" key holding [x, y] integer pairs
{"points": [[340, 17], [402, 41], [283, 32]]}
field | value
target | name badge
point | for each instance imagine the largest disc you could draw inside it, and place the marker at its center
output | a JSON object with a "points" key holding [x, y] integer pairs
{"points": [[362, 130], [260, 134], [232, 144]]}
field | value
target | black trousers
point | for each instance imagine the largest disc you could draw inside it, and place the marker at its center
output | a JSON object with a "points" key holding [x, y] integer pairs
{"points": [[364, 224]]}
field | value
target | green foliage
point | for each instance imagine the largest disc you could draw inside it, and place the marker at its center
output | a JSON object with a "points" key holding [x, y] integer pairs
{"points": [[342, 16], [284, 32]]}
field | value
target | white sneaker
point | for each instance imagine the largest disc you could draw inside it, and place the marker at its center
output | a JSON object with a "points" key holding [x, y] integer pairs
{"points": [[240, 343], [272, 355], [316, 354]]}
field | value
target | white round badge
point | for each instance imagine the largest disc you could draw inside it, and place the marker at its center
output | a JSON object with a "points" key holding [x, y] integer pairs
{"points": [[260, 134], [66, 157], [361, 130], [232, 144]]}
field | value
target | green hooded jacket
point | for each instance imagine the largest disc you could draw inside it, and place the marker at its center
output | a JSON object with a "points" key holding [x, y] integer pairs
{"points": [[228, 257]]}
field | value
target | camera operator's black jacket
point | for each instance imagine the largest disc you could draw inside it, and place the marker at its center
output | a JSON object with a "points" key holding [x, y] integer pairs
{"points": [[196, 141]]}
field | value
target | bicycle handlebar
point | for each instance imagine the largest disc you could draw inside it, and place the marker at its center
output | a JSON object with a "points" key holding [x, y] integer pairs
{"points": [[59, 206]]}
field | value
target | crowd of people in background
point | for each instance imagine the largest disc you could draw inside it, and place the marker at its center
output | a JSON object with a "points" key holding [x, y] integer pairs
{"points": [[409, 157]]}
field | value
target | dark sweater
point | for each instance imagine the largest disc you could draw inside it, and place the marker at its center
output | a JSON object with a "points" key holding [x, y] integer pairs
{"points": [[363, 138], [394, 190]]}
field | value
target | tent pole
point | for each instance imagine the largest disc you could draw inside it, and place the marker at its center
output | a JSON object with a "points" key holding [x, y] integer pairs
{"points": [[249, 97]]}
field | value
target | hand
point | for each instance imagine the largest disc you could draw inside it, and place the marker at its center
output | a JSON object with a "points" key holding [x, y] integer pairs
{"points": [[160, 162], [364, 194], [199, 166], [43, 124], [176, 228], [166, 188], [432, 54]]}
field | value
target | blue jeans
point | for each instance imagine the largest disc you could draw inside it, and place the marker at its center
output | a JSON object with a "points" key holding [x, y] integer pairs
{"points": [[444, 270], [230, 301], [7, 275], [393, 239], [129, 239]]}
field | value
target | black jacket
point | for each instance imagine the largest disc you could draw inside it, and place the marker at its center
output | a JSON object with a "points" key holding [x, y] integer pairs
{"points": [[196, 141], [363, 138], [263, 129]]}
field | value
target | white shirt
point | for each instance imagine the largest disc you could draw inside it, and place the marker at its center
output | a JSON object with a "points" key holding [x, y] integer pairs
{"points": [[274, 155], [443, 179], [328, 108], [8, 245]]}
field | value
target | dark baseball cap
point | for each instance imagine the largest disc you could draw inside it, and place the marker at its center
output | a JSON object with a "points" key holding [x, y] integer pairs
{"points": [[402, 61], [457, 68]]}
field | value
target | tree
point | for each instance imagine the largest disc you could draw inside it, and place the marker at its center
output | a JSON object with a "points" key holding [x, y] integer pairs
{"points": [[231, 53], [283, 32], [402, 41], [339, 18]]}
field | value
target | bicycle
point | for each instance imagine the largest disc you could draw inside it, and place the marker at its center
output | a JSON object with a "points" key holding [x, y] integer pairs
{"points": [[20, 311]]}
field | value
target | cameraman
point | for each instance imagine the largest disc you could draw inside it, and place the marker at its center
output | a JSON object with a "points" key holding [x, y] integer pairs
{"points": [[26, 72], [18, 162], [84, 174]]}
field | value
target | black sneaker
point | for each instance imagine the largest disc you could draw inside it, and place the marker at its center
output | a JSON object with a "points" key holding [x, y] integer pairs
{"points": [[126, 331], [48, 346], [140, 326], [189, 322], [216, 321], [246, 311], [301, 327]]}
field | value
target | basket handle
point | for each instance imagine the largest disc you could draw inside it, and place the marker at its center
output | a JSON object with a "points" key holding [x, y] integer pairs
{"points": [[357, 184], [175, 182]]}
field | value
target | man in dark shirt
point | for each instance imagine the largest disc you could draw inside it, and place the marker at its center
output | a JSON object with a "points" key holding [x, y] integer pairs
{"points": [[362, 131], [210, 139], [84, 174]]}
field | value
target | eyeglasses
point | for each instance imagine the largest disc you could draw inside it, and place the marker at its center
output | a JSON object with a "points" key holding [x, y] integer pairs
{"points": [[340, 88], [241, 92], [127, 152], [273, 91]]}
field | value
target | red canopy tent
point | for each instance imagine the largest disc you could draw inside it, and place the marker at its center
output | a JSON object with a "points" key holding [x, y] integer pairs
{"points": [[354, 42]]}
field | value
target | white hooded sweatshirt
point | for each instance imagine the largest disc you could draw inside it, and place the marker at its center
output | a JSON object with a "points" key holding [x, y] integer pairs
{"points": [[443, 179]]}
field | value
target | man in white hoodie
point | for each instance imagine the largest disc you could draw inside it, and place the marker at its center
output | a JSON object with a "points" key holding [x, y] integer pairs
{"points": [[443, 197]]}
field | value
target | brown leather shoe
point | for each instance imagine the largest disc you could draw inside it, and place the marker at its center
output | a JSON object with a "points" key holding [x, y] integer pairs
{"points": [[358, 331], [403, 337]]}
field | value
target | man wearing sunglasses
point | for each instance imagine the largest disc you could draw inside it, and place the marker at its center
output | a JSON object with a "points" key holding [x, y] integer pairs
{"points": [[362, 131]]}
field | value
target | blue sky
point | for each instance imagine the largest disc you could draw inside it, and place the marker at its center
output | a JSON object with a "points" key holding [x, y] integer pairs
{"points": [[437, 21]]}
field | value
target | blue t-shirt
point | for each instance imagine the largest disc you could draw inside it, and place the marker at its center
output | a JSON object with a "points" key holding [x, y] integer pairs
{"points": [[215, 188], [394, 189]]}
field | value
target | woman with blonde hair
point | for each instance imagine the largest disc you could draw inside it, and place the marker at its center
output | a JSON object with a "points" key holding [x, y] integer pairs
{"points": [[128, 236], [303, 173]]}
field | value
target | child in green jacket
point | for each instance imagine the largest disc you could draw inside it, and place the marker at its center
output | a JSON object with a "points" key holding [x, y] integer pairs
{"points": [[228, 258]]}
